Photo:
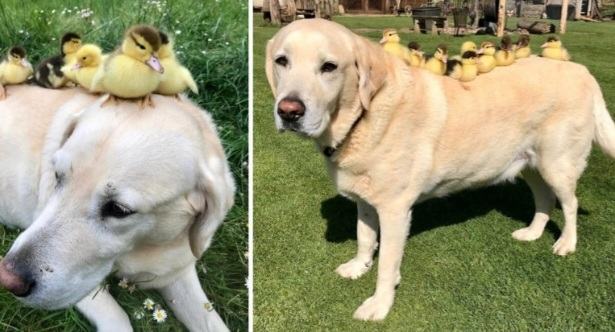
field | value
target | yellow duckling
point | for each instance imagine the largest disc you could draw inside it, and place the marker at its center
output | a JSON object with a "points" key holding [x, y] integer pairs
{"points": [[486, 59], [48, 73], [522, 47], [15, 69], [466, 46], [553, 49], [505, 56], [176, 78], [87, 61], [71, 42], [391, 43], [465, 69], [437, 63], [416, 55], [133, 71]]}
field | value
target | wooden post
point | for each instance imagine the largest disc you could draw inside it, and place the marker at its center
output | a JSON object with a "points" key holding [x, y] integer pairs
{"points": [[564, 18], [502, 18], [274, 6]]}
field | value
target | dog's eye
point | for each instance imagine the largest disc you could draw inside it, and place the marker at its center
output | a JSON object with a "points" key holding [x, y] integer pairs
{"points": [[115, 210], [328, 67], [282, 61]]}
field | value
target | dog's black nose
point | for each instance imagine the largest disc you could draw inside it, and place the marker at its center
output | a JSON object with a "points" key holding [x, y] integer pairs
{"points": [[16, 280], [291, 109]]}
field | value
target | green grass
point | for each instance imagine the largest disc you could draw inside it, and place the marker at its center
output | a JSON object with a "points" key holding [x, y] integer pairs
{"points": [[212, 41], [462, 270]]}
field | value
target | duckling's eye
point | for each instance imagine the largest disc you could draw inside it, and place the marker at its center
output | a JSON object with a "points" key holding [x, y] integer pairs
{"points": [[282, 61], [83, 58], [140, 46], [328, 67]]}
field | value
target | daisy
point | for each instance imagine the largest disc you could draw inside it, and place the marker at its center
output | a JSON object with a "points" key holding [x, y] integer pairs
{"points": [[123, 283], [139, 314], [160, 315], [148, 304]]}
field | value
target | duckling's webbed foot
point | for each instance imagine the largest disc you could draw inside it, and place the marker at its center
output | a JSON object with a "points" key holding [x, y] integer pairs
{"points": [[146, 101]]}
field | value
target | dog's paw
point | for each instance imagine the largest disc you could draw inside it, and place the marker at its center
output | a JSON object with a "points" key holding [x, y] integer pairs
{"points": [[526, 234], [565, 245], [353, 269], [374, 308]]}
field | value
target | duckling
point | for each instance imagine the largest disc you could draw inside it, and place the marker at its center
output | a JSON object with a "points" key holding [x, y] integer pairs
{"points": [[553, 49], [416, 55], [522, 47], [486, 59], [505, 55], [391, 43], [15, 69], [49, 73], [437, 63], [465, 70], [87, 60], [176, 78], [134, 70], [466, 46]]}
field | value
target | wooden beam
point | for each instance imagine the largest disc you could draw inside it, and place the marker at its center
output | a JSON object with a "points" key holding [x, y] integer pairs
{"points": [[564, 18], [501, 18]]}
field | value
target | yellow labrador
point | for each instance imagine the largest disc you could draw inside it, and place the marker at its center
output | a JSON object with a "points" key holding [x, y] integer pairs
{"points": [[138, 192], [394, 135]]}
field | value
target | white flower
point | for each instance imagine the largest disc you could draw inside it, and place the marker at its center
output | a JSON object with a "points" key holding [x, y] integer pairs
{"points": [[148, 304], [208, 306], [53, 38], [53, 11], [204, 52], [20, 31], [160, 315], [139, 314], [132, 288], [123, 283], [178, 32], [209, 39]]}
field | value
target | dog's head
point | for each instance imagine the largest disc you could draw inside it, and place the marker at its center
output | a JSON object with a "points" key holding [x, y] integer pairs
{"points": [[317, 67], [114, 180]]}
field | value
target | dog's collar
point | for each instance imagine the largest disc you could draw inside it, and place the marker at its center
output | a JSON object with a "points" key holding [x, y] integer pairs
{"points": [[328, 151]]}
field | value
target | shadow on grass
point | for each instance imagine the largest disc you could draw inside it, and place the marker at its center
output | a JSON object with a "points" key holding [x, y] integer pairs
{"points": [[511, 200]]}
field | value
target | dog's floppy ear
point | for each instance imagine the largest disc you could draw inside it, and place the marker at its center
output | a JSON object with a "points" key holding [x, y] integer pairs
{"points": [[372, 71], [273, 84], [212, 197]]}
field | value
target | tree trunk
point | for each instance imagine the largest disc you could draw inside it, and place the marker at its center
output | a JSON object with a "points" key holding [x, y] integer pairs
{"points": [[502, 18], [275, 12], [564, 19]]}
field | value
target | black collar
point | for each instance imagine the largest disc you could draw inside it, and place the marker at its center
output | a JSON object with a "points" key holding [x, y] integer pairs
{"points": [[328, 151]]}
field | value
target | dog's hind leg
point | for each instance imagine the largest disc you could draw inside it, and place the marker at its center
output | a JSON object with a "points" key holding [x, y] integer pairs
{"points": [[367, 236], [394, 228], [544, 202]]}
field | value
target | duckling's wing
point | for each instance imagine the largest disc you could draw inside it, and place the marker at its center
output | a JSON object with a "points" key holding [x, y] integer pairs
{"points": [[187, 77]]}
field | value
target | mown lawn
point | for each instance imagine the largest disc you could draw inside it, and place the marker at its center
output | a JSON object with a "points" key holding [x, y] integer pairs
{"points": [[462, 270], [212, 41]]}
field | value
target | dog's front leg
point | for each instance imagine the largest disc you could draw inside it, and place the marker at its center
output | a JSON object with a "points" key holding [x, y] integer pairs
{"points": [[367, 236], [190, 304], [394, 227], [100, 308]]}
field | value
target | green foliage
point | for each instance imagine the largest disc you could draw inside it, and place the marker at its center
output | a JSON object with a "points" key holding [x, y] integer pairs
{"points": [[211, 39], [462, 270]]}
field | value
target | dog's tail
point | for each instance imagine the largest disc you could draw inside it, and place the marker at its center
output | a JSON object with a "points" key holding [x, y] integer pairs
{"points": [[605, 127]]}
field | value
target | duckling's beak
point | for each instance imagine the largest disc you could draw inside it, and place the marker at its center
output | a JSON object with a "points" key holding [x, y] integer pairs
{"points": [[545, 45], [480, 51], [76, 66], [445, 58], [24, 63], [154, 64], [383, 40]]}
